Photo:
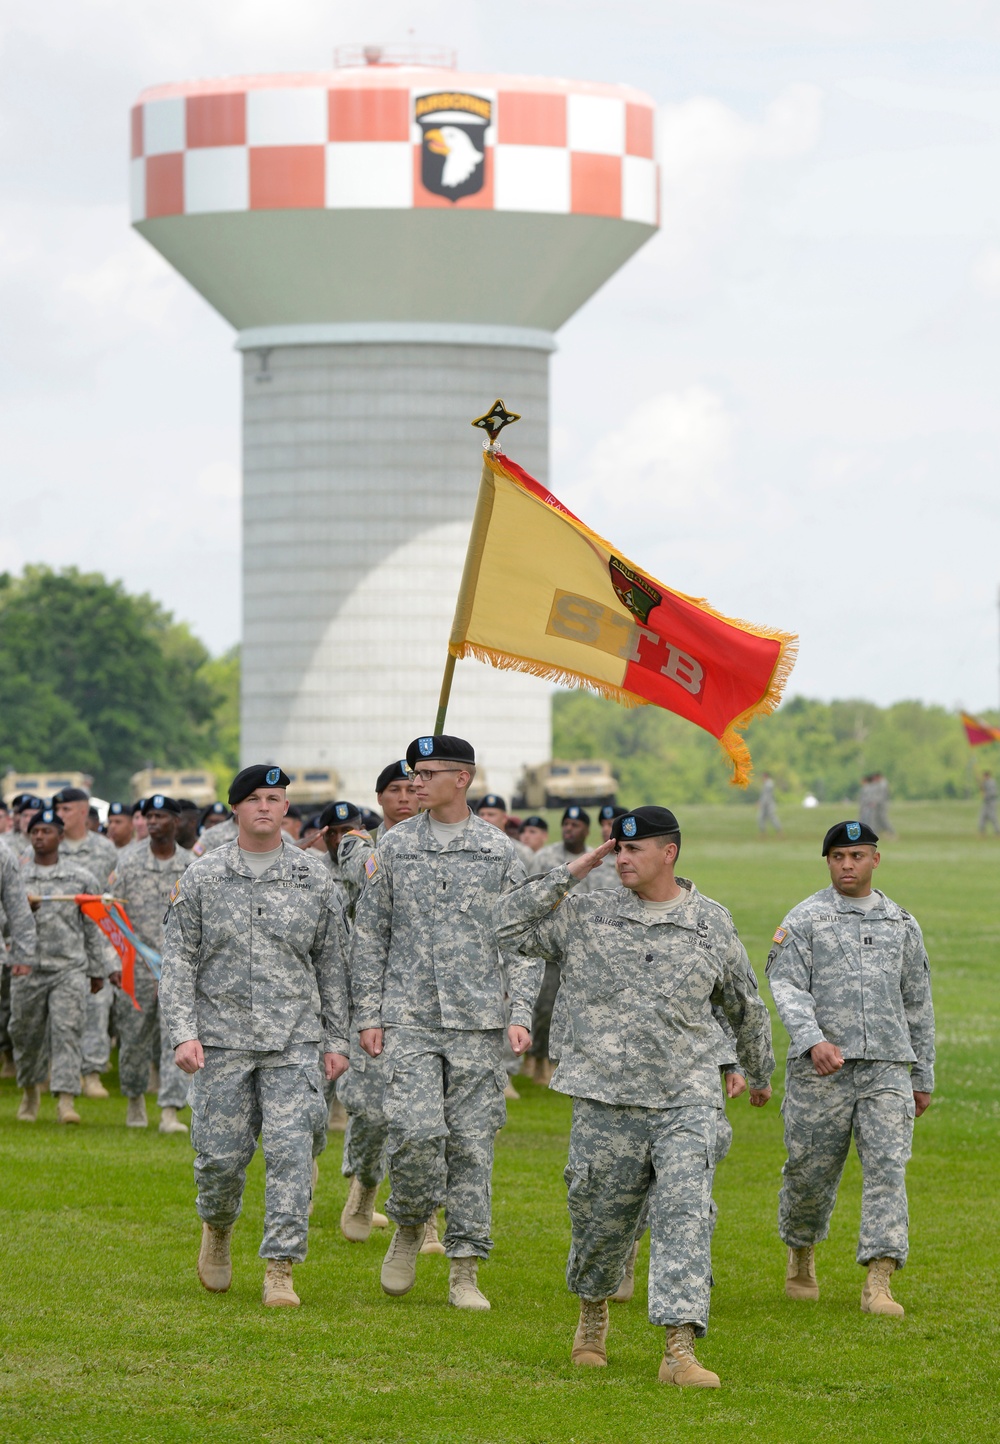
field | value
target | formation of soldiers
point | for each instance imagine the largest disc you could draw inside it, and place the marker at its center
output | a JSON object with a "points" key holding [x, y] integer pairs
{"points": [[403, 966]]}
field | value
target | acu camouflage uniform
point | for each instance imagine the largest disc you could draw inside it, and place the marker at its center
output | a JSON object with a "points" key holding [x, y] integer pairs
{"points": [[425, 967], [47, 1006], [860, 980], [255, 969], [146, 882], [988, 811], [98, 855], [767, 812], [18, 924], [216, 837], [641, 1062]]}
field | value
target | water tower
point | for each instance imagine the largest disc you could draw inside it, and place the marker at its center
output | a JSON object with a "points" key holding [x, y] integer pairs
{"points": [[396, 244]]}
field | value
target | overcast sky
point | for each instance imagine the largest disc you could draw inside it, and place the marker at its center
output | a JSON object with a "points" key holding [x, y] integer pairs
{"points": [[790, 394]]}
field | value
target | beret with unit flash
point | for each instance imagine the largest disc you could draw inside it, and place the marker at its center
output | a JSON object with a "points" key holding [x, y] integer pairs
{"points": [[440, 748], [263, 774], [644, 822], [849, 834]]}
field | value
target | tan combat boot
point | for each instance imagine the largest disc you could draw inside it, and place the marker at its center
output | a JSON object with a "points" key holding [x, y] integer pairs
{"points": [[27, 1110], [511, 1092], [876, 1297], [215, 1267], [65, 1109], [626, 1288], [379, 1220], [431, 1243], [92, 1087], [278, 1291], [135, 1117], [590, 1340], [399, 1267], [336, 1119], [7, 1069], [800, 1276], [680, 1366], [356, 1217], [463, 1291], [544, 1072], [170, 1123], [154, 1078]]}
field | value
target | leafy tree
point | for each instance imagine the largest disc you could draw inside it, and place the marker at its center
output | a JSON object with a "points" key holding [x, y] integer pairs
{"points": [[96, 680]]}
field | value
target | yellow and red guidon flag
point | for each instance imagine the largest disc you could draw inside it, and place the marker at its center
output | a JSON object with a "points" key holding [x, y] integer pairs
{"points": [[542, 593], [978, 732]]}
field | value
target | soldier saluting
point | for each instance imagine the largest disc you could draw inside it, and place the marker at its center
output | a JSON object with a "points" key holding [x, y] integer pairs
{"points": [[254, 984], [851, 982], [642, 966]]}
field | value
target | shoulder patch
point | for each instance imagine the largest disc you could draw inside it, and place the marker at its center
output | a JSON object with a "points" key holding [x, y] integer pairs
{"points": [[371, 866], [780, 935], [175, 893]]}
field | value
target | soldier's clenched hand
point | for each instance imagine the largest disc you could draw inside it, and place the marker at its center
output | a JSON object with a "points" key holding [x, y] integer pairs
{"points": [[371, 1041], [587, 861], [520, 1039], [759, 1096], [735, 1085], [827, 1058], [333, 1065], [189, 1056], [921, 1102]]}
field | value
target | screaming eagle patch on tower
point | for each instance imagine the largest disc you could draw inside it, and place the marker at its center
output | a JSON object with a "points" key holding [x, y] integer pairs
{"points": [[453, 127]]}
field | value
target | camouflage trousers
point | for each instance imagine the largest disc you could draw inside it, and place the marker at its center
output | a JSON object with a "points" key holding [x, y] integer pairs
{"points": [[620, 1157], [141, 1039], [5, 1044], [541, 1017], [96, 1045], [767, 816], [46, 1023], [723, 1143], [362, 1091], [444, 1105], [872, 1101], [238, 1096], [988, 816]]}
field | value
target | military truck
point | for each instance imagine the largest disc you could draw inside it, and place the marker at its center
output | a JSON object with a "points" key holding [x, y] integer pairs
{"points": [[313, 786], [42, 783], [558, 783], [189, 782]]}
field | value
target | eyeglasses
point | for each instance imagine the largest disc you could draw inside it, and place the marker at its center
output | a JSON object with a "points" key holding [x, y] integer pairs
{"points": [[424, 774]]}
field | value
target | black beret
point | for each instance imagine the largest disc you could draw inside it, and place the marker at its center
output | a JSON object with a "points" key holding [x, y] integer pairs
{"points": [[847, 834], [186, 804], [314, 823], [440, 749], [158, 802], [608, 812], [46, 817], [339, 814], [535, 821], [29, 803], [216, 809], [574, 814], [644, 822], [70, 794], [371, 820], [395, 772], [492, 800], [137, 806], [262, 774], [119, 809]]}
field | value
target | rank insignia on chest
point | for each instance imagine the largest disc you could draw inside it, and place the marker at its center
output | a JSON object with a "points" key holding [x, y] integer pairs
{"points": [[780, 935], [371, 866]]}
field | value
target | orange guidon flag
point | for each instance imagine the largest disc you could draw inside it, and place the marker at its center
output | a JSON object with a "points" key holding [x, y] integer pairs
{"points": [[978, 732], [542, 593]]}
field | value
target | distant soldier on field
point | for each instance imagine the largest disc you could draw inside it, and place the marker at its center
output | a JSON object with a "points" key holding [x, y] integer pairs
{"points": [[19, 930], [881, 823], [48, 995], [254, 984], [767, 812], [867, 801], [988, 810], [851, 982]]}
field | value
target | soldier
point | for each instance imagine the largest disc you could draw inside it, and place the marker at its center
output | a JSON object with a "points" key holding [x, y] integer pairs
{"points": [[20, 927], [98, 855], [607, 816], [348, 848], [641, 969], [6, 821], [145, 877], [292, 823], [138, 822], [493, 809], [188, 822], [119, 825], [880, 790], [851, 982], [535, 832], [396, 796], [212, 815], [48, 994], [426, 969], [866, 800], [254, 982], [211, 838], [25, 808], [988, 811], [767, 812]]}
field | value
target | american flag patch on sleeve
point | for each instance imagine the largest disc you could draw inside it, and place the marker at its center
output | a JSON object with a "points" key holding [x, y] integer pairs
{"points": [[780, 935], [371, 866]]}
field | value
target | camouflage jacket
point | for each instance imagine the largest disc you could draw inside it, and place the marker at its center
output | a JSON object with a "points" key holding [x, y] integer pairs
{"points": [[352, 856], [95, 853], [255, 963], [858, 979], [639, 989], [146, 882], [216, 837], [65, 938], [424, 949], [558, 855], [20, 920]]}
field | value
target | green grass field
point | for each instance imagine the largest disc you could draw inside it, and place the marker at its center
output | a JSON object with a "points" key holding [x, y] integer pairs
{"points": [[105, 1332]]}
